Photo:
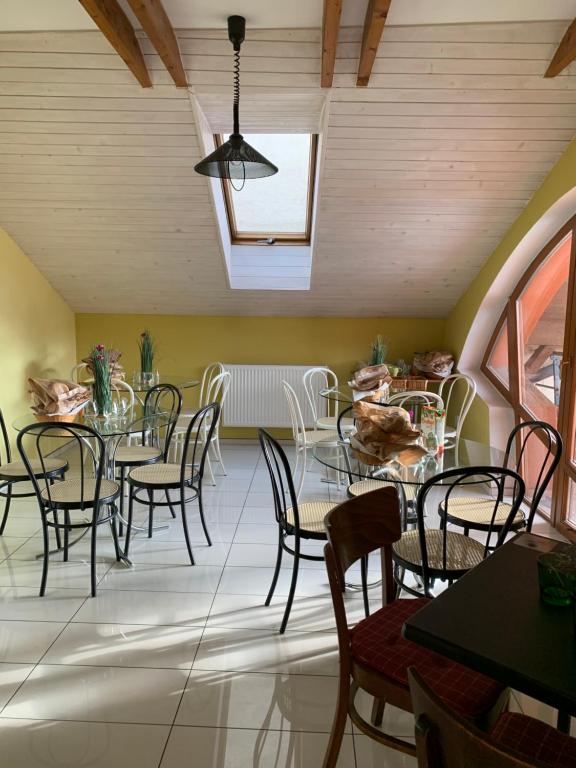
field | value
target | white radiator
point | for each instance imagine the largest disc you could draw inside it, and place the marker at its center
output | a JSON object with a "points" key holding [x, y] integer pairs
{"points": [[256, 397]]}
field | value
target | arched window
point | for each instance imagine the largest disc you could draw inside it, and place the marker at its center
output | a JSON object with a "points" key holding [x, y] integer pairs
{"points": [[529, 360]]}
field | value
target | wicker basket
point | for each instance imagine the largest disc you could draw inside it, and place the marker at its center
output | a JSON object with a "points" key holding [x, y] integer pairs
{"points": [[409, 384], [65, 418]]}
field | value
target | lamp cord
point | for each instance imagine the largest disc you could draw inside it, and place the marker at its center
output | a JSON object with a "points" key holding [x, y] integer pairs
{"points": [[236, 108], [236, 111]]}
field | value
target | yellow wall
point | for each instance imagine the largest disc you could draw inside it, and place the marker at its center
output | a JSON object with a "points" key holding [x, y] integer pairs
{"points": [[188, 343], [37, 333], [560, 180]]}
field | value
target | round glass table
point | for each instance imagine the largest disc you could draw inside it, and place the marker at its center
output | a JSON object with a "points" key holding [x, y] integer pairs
{"points": [[181, 382], [137, 422], [460, 454]]}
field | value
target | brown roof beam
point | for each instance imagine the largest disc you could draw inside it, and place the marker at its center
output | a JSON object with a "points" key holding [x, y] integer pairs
{"points": [[116, 28], [156, 24], [565, 53], [376, 14], [330, 28]]}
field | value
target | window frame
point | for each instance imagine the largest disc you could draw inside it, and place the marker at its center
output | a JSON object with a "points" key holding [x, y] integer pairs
{"points": [[566, 421], [280, 238]]}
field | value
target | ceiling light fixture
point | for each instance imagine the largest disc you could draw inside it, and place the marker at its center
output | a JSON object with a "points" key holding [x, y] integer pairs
{"points": [[236, 159]]}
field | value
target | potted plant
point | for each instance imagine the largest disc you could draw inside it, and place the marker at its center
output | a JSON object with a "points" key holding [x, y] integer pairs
{"points": [[101, 388], [147, 352]]}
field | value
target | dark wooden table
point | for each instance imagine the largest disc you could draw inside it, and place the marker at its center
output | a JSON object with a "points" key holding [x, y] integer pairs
{"points": [[493, 621]]}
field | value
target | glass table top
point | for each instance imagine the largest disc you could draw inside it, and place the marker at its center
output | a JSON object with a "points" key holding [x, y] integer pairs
{"points": [[140, 385], [182, 382], [341, 457], [107, 426]]}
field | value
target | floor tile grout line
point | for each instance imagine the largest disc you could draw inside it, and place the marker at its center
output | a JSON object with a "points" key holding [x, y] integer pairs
{"points": [[201, 636]]}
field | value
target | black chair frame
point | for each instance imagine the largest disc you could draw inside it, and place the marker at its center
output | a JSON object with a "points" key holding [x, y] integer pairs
{"points": [[552, 443], [451, 481], [7, 482], [90, 446], [196, 445], [153, 404], [284, 495]]}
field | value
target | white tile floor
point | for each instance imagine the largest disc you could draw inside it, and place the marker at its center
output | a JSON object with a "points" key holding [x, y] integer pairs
{"points": [[173, 665]]}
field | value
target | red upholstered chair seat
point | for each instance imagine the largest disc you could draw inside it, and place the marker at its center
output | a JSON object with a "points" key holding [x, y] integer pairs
{"points": [[535, 740], [377, 643]]}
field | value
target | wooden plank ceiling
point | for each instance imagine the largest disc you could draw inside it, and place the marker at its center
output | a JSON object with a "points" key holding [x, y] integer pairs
{"points": [[423, 170]]}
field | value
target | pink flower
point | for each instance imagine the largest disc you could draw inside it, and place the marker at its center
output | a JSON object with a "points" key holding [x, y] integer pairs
{"points": [[100, 347], [99, 357]]}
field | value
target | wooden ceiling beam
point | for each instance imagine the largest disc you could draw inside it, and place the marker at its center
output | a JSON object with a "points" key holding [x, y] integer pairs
{"points": [[565, 53], [330, 29], [116, 28], [156, 24], [374, 22]]}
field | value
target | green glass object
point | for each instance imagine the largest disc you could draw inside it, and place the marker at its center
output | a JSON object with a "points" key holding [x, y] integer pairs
{"points": [[557, 576]]}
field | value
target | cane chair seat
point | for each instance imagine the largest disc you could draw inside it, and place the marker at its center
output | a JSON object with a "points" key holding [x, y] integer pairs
{"points": [[311, 515], [366, 486], [377, 643], [312, 436], [159, 475], [462, 552], [75, 493], [330, 422], [129, 455], [475, 510], [534, 740], [16, 470]]}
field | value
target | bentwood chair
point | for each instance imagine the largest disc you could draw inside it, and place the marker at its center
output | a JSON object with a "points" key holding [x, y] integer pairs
{"points": [[412, 401], [314, 380], [87, 492], [374, 656], [437, 553], [445, 739], [216, 392], [183, 477], [14, 472], [304, 439], [304, 521], [457, 386], [474, 512], [162, 398], [210, 372]]}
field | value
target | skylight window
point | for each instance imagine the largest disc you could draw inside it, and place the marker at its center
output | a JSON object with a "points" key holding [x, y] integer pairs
{"points": [[278, 207]]}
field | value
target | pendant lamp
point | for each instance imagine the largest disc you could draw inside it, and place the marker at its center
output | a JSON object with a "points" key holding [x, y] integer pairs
{"points": [[236, 159]]}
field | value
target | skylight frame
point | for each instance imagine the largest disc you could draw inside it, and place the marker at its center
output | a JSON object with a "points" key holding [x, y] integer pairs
{"points": [[280, 238]]}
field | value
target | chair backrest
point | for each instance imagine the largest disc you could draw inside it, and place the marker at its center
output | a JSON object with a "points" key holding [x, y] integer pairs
{"points": [[315, 379], [356, 528], [212, 370], [76, 370], [463, 386], [119, 385], [217, 393], [420, 397], [296, 417], [412, 401], [6, 453], [197, 443], [283, 489], [547, 439], [493, 482], [444, 739], [82, 443], [163, 398]]}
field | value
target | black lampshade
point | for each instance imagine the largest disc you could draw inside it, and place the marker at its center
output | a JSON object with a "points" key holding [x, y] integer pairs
{"points": [[236, 159]]}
